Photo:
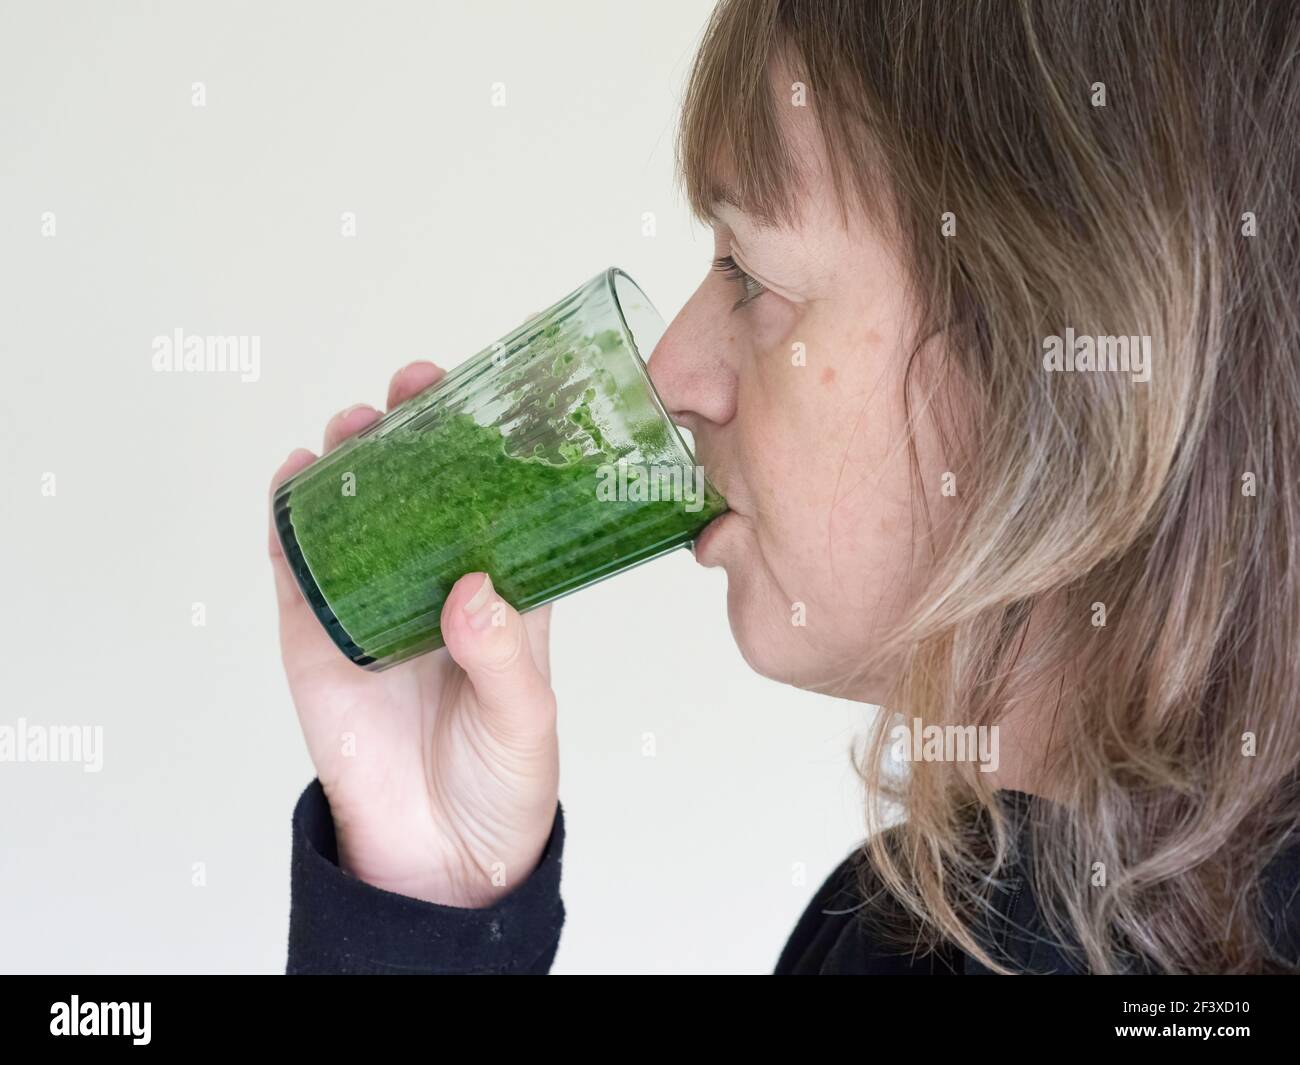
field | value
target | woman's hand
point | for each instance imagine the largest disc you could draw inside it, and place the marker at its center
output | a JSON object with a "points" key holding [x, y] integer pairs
{"points": [[442, 773]]}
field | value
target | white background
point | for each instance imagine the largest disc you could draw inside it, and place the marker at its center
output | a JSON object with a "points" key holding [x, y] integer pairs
{"points": [[226, 220]]}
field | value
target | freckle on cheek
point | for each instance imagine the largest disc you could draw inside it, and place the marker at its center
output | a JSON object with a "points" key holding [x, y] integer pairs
{"points": [[828, 375]]}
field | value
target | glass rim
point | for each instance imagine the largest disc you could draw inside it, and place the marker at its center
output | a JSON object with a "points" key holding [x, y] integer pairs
{"points": [[610, 278]]}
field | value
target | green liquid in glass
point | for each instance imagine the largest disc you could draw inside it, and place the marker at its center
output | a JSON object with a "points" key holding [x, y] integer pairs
{"points": [[433, 504], [546, 461]]}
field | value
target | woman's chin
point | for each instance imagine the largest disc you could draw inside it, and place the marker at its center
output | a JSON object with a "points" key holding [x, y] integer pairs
{"points": [[776, 649], [763, 635]]}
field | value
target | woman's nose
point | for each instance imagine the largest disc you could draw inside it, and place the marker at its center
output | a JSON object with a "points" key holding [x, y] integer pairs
{"points": [[692, 365]]}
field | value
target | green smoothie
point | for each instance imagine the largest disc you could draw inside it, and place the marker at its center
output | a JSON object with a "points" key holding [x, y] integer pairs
{"points": [[511, 471]]}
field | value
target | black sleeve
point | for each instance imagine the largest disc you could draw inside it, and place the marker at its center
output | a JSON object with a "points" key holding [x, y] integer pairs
{"points": [[338, 924]]}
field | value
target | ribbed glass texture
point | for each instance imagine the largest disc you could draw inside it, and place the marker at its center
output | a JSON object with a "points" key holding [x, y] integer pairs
{"points": [[546, 460]]}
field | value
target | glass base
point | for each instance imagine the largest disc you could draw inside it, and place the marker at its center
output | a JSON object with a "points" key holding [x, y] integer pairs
{"points": [[310, 589]]}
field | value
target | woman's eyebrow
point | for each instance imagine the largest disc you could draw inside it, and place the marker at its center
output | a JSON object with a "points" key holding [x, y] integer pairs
{"points": [[720, 193], [724, 195], [718, 196]]}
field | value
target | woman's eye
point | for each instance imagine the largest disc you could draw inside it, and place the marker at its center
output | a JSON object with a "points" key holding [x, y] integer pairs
{"points": [[750, 288]]}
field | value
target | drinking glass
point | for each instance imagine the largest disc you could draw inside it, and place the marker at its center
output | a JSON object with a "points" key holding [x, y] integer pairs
{"points": [[545, 460]]}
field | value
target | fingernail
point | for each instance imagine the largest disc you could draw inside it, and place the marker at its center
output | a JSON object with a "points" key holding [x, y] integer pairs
{"points": [[478, 609], [354, 408]]}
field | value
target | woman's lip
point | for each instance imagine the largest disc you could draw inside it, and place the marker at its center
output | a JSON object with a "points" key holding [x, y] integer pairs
{"points": [[710, 531]]}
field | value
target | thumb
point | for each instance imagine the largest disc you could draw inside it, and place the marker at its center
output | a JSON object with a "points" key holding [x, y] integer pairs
{"points": [[485, 636]]}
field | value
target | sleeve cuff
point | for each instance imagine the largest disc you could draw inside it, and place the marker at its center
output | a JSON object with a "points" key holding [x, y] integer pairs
{"points": [[338, 924]]}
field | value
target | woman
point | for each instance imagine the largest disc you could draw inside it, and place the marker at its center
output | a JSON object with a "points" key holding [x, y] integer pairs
{"points": [[935, 224]]}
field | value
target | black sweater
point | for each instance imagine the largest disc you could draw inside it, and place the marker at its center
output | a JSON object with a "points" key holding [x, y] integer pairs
{"points": [[338, 924]]}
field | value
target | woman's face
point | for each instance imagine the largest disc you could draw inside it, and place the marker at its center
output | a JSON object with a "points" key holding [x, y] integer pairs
{"points": [[795, 400]]}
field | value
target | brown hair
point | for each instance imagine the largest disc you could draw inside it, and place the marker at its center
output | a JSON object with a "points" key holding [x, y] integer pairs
{"points": [[1124, 168]]}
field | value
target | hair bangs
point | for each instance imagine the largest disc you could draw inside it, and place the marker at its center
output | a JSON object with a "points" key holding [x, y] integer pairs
{"points": [[731, 147]]}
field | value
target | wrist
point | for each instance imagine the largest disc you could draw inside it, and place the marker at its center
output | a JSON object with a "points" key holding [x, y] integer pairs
{"points": [[426, 885]]}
